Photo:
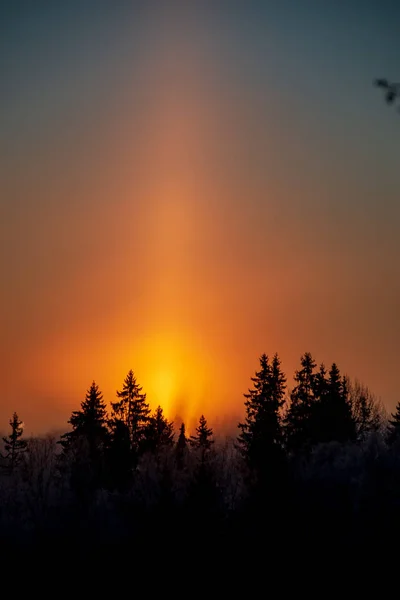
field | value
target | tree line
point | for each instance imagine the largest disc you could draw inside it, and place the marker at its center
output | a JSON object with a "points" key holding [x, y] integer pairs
{"points": [[322, 407], [321, 451]]}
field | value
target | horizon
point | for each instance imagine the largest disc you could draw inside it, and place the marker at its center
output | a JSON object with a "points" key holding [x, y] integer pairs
{"points": [[224, 426], [184, 188]]}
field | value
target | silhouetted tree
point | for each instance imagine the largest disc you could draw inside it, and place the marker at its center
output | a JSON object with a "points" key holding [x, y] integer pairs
{"points": [[321, 383], [41, 475], [159, 432], [132, 410], [89, 422], [261, 437], [203, 493], [129, 418], [300, 416], [393, 432], [334, 412], [204, 497], [121, 461], [88, 440], [392, 90], [367, 413], [181, 446], [14, 446], [203, 437]]}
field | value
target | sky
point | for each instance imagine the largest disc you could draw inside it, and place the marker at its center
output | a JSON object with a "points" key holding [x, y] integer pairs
{"points": [[186, 185]]}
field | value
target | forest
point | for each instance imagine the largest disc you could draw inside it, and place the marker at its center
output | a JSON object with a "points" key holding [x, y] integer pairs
{"points": [[316, 465]]}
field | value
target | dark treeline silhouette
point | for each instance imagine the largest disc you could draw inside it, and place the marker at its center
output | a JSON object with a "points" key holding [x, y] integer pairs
{"points": [[317, 464]]}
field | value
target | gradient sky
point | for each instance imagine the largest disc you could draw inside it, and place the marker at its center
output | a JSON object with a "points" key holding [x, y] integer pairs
{"points": [[185, 185]]}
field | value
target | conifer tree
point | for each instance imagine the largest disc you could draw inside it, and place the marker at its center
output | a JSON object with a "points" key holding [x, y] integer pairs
{"points": [[299, 418], [261, 437], [159, 432], [181, 446], [14, 446], [335, 419], [203, 437], [89, 438], [393, 433], [90, 421], [132, 410], [202, 440], [120, 458], [203, 493], [321, 383]]}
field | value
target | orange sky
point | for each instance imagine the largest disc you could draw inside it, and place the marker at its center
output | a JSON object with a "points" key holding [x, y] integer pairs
{"points": [[172, 212]]}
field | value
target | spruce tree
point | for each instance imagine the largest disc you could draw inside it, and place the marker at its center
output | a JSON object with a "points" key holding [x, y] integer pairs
{"points": [[299, 418], [132, 410], [14, 446], [393, 432], [181, 446], [203, 437], [202, 440], [90, 422], [120, 458], [203, 493], [335, 418], [321, 384], [89, 437], [261, 437], [159, 432]]}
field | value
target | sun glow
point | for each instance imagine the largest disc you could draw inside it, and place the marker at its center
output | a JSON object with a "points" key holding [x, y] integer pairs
{"points": [[164, 387], [174, 375], [158, 313]]}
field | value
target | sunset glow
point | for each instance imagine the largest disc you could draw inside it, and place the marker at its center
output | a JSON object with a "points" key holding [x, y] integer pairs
{"points": [[177, 198]]}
